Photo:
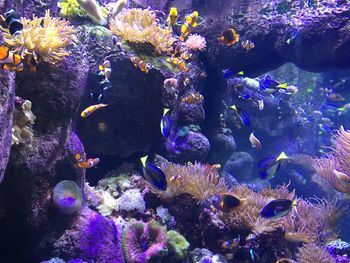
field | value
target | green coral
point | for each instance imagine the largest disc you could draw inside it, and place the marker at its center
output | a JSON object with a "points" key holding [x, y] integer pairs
{"points": [[178, 245], [71, 8]]}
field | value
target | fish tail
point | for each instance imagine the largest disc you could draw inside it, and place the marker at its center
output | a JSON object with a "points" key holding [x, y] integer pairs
{"points": [[282, 156], [143, 160], [283, 86]]}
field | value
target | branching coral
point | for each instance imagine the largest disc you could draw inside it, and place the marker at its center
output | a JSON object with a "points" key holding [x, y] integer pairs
{"points": [[311, 253], [196, 43], [140, 26], [199, 180], [44, 38], [334, 168], [144, 241]]}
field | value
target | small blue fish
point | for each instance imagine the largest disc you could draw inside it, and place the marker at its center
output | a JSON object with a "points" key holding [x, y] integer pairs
{"points": [[242, 114], [269, 166], [293, 35], [278, 208], [153, 175], [166, 124], [228, 73], [271, 86]]}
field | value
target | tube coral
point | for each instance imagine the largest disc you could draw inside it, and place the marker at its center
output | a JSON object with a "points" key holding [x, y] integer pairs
{"points": [[144, 241], [199, 180], [43, 39], [140, 26], [311, 253], [334, 168]]}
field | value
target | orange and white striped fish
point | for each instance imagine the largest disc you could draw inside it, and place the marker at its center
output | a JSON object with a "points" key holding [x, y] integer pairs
{"points": [[89, 163], [9, 60], [192, 98], [139, 63], [91, 109], [179, 64]]}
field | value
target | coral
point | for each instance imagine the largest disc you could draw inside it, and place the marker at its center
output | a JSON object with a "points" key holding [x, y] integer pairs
{"points": [[43, 39], [23, 119], [107, 203], [71, 8], [93, 9], [54, 260], [199, 180], [165, 217], [196, 43], [311, 253], [144, 241], [67, 196], [140, 26], [131, 200], [334, 168], [178, 244]]}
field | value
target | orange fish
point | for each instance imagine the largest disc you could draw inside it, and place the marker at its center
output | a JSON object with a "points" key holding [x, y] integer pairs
{"points": [[335, 97], [248, 45], [229, 37], [9, 60], [91, 109], [139, 63], [216, 166], [179, 64], [193, 98], [78, 157], [89, 163]]}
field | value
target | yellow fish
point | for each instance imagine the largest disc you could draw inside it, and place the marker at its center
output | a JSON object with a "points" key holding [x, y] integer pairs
{"points": [[91, 109], [172, 17], [190, 22]]}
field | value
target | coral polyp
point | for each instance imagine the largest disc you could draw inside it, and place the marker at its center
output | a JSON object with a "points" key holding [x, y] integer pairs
{"points": [[42, 38]]}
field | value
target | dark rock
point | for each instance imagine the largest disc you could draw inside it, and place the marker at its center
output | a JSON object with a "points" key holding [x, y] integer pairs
{"points": [[6, 114], [240, 165], [190, 113], [222, 146]]}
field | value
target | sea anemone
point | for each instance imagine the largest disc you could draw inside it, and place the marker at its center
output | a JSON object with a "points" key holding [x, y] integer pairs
{"points": [[199, 180], [196, 43], [23, 119], [140, 26], [67, 196], [334, 168], [144, 241], [43, 39], [311, 253]]}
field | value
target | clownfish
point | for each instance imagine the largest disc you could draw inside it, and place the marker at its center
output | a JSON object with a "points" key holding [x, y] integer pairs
{"points": [[105, 70], [248, 45], [190, 22], [91, 109], [78, 157], [89, 163], [193, 98], [186, 55], [13, 21], [179, 64], [9, 60], [172, 17], [139, 63], [229, 37]]}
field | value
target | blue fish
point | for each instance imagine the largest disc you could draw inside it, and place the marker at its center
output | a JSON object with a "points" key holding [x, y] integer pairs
{"points": [[244, 254], [331, 109], [278, 208], [153, 175], [228, 73], [166, 124], [242, 114], [269, 166]]}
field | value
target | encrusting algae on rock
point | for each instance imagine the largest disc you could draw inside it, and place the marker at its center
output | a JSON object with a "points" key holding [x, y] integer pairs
{"points": [[42, 39]]}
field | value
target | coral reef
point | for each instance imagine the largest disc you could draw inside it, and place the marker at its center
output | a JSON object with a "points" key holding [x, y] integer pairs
{"points": [[42, 39], [178, 244], [71, 8], [334, 168], [199, 180], [143, 242], [93, 9], [131, 200], [310, 253], [196, 42], [140, 26]]}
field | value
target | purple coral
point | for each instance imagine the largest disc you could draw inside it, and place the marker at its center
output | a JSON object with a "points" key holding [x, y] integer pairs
{"points": [[143, 241]]}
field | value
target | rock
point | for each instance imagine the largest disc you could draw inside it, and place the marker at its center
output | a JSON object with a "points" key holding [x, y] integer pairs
{"points": [[222, 146], [91, 237], [6, 117], [194, 147], [190, 113], [240, 165]]}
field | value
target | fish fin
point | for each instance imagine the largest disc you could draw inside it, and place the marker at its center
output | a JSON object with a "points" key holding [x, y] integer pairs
{"points": [[143, 160], [233, 107], [294, 203], [245, 117], [283, 86], [282, 156], [240, 73]]}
